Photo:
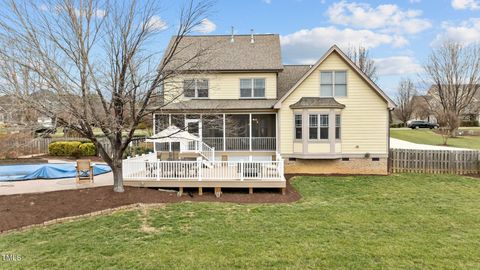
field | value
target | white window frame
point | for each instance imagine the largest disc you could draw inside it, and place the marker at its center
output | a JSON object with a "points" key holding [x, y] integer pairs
{"points": [[195, 81], [338, 125], [252, 93], [298, 126], [333, 83], [319, 126]]}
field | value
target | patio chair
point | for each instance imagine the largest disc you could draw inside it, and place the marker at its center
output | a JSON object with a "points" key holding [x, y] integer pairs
{"points": [[84, 170]]}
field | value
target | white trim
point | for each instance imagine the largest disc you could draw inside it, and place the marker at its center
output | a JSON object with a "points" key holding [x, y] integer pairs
{"points": [[335, 48]]}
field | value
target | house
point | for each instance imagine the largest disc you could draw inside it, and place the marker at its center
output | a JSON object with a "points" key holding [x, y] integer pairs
{"points": [[424, 107], [241, 100]]}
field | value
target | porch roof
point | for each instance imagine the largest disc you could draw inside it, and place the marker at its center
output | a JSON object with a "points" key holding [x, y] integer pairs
{"points": [[317, 102], [221, 104]]}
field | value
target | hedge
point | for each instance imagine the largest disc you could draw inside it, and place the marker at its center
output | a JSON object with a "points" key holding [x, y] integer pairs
{"points": [[72, 148]]}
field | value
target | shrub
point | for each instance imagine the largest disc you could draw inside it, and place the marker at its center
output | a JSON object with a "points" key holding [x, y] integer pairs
{"points": [[63, 148], [72, 148], [473, 123], [87, 149]]}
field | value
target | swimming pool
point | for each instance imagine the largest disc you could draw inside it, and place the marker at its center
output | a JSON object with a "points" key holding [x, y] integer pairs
{"points": [[44, 171]]}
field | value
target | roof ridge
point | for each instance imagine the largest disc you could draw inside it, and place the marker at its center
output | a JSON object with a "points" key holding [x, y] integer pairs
{"points": [[229, 35]]}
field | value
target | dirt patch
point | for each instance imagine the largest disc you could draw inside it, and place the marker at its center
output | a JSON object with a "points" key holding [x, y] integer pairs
{"points": [[26, 209]]}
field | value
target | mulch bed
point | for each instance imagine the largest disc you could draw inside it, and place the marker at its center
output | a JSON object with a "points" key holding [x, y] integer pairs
{"points": [[17, 211]]}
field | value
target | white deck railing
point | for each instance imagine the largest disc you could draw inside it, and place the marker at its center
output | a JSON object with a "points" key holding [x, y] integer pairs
{"points": [[147, 169]]}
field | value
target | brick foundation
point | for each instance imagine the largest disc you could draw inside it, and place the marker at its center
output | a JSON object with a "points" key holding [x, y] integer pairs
{"points": [[337, 166]]}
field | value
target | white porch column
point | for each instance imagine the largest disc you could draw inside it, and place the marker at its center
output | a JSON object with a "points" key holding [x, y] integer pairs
{"points": [[224, 137], [169, 124], [250, 130]]}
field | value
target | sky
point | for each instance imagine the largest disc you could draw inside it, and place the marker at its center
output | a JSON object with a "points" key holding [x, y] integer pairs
{"points": [[399, 34]]}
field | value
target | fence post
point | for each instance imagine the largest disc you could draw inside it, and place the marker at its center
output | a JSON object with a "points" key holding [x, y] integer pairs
{"points": [[157, 170]]}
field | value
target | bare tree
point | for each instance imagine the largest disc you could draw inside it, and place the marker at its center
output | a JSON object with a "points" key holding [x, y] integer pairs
{"points": [[406, 92], [97, 59], [453, 72], [361, 57]]}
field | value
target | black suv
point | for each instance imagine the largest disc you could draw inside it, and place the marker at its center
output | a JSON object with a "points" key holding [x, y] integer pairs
{"points": [[422, 124]]}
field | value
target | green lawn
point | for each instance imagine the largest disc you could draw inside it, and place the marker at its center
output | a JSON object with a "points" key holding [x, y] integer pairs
{"points": [[394, 222], [426, 136]]}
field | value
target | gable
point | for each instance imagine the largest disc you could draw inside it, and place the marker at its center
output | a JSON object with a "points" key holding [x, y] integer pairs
{"points": [[353, 70]]}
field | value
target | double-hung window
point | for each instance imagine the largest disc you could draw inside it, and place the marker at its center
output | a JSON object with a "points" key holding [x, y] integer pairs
{"points": [[318, 126], [323, 126], [313, 126], [252, 88], [195, 88], [298, 126], [338, 125], [333, 84]]}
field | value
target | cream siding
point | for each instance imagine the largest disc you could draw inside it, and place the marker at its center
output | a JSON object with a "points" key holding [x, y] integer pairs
{"points": [[221, 85], [318, 148], [364, 119]]}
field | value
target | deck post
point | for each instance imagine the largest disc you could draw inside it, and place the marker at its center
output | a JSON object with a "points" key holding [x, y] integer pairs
{"points": [[180, 192], [199, 169], [218, 192], [241, 170], [250, 190], [200, 191]]}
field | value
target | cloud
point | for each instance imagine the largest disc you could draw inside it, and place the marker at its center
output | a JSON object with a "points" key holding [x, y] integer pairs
{"points": [[466, 4], [397, 65], [267, 1], [156, 23], [386, 18], [97, 12], [466, 32], [206, 26], [415, 1], [307, 45]]}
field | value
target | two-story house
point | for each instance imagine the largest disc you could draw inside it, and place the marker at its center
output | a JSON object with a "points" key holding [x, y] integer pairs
{"points": [[238, 97]]}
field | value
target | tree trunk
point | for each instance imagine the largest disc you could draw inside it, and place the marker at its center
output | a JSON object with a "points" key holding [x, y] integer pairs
{"points": [[117, 176]]}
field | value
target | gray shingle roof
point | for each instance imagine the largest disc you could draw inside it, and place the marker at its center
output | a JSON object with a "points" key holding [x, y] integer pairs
{"points": [[289, 76], [217, 53], [221, 104], [317, 102]]}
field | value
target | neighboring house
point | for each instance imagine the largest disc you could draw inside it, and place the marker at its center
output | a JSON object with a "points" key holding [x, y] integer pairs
{"points": [[424, 105], [239, 98]]}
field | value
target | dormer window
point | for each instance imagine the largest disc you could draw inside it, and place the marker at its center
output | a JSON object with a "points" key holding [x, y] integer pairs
{"points": [[195, 88], [333, 84], [252, 88]]}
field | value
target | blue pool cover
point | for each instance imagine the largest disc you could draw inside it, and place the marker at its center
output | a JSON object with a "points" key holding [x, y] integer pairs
{"points": [[44, 171]]}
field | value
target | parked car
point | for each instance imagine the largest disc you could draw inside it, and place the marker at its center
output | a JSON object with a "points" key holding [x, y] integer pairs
{"points": [[422, 124]]}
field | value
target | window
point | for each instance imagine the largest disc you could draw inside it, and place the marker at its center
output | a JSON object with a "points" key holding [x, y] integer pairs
{"points": [[298, 126], [313, 126], [252, 88], [324, 126], [197, 88], [333, 84], [338, 125], [318, 130]]}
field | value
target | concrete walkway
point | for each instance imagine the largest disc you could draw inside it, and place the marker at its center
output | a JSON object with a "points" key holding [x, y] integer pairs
{"points": [[401, 144], [44, 185]]}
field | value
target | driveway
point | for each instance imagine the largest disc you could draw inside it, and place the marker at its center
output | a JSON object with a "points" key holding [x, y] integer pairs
{"points": [[401, 144]]}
